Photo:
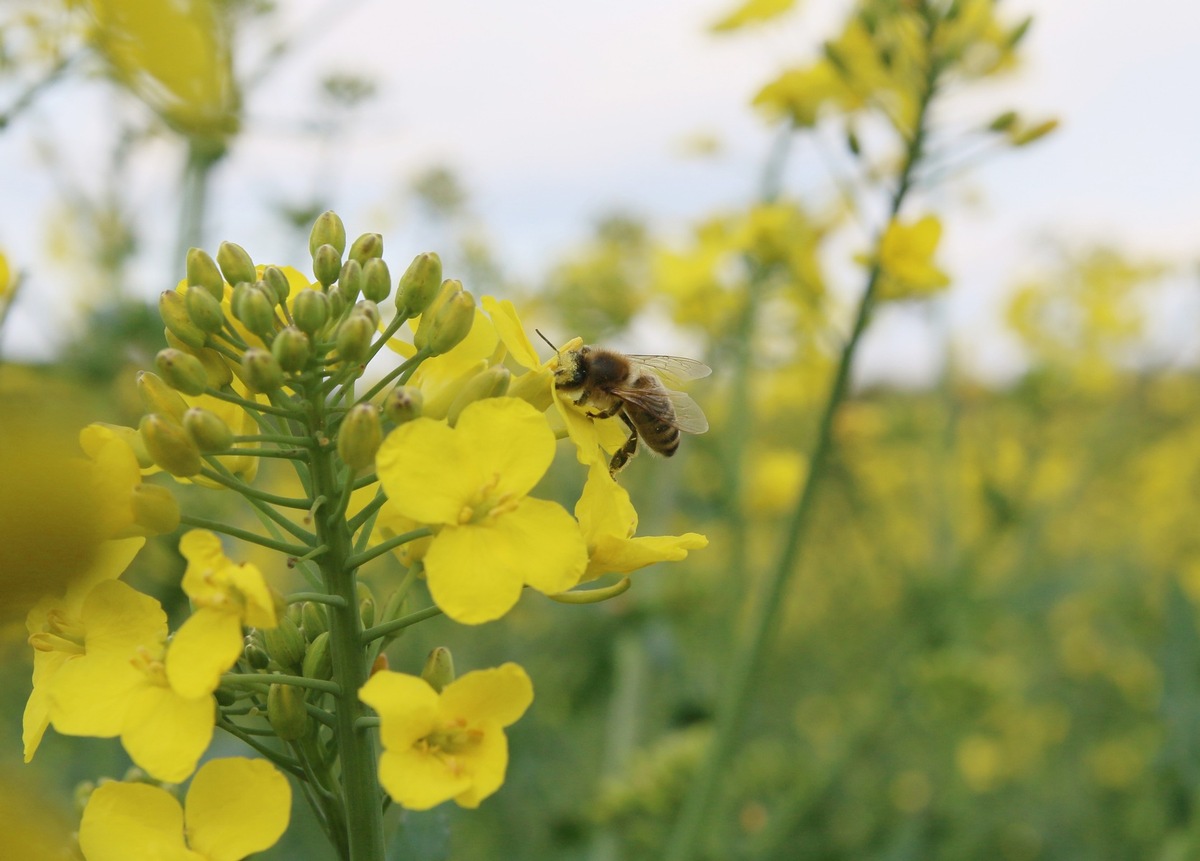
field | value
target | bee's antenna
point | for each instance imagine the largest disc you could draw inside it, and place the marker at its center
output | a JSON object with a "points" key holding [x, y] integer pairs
{"points": [[547, 340]]}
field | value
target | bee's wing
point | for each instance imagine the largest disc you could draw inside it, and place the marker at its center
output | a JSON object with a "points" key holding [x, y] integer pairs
{"points": [[673, 370], [689, 418]]}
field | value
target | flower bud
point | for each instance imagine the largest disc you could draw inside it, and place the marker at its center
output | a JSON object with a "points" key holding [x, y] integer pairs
{"points": [[206, 429], [327, 264], [403, 404], [354, 338], [1003, 122], [225, 697], [215, 365], [260, 371], [366, 611], [377, 279], [284, 643], [359, 436], [492, 383], [235, 264], [155, 509], [173, 309], [254, 308], [203, 309], [439, 668], [327, 230], [292, 349], [169, 445], [366, 246], [310, 310], [318, 661], [158, 397], [368, 309], [256, 656], [419, 284], [449, 325], [286, 712], [202, 271], [450, 287], [313, 620], [350, 280], [1024, 137], [277, 282], [182, 371]]}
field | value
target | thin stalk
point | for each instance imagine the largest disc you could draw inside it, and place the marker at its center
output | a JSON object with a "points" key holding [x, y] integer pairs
{"points": [[318, 597], [244, 535], [249, 405], [361, 559], [736, 698], [401, 623], [367, 511], [268, 679], [243, 489]]}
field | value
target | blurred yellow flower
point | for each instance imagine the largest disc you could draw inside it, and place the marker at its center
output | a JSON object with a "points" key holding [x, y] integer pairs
{"points": [[906, 260]]}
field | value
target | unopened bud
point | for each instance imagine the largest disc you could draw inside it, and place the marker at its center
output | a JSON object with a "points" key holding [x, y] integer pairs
{"points": [[337, 303], [366, 246], [369, 310], [215, 365], [261, 371], [377, 279], [203, 309], [359, 436], [292, 349], [354, 338], [439, 668], [1034, 133], [419, 285], [173, 309], [310, 310], [158, 397], [1003, 122], [202, 271], [403, 404], [206, 429], [256, 656], [318, 661], [253, 307], [182, 371], [284, 643], [350, 279], [169, 445], [327, 264], [327, 230], [448, 325], [313, 620], [277, 282], [155, 509], [286, 712], [492, 383], [235, 264]]}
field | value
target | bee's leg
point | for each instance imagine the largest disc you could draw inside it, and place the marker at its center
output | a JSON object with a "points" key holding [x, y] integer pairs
{"points": [[609, 413], [626, 452]]}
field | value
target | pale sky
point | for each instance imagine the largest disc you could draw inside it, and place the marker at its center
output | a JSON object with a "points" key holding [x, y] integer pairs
{"points": [[556, 113]]}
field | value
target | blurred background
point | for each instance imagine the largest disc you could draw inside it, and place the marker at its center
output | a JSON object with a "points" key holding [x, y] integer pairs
{"points": [[989, 648]]}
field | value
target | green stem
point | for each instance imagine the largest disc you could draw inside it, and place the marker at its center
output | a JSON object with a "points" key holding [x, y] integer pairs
{"points": [[268, 679], [736, 699], [285, 762], [318, 597], [244, 535], [399, 624], [246, 490], [361, 559], [405, 367], [249, 405], [282, 439], [366, 512]]}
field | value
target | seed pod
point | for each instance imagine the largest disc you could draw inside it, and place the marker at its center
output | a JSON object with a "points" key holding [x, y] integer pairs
{"points": [[403, 404], [173, 309], [169, 445], [350, 280], [155, 509], [292, 349], [274, 278], [202, 271], [286, 712], [327, 230], [318, 661], [359, 436], [182, 371], [158, 397], [327, 264], [206, 429], [439, 668], [366, 246], [492, 383], [377, 279], [203, 309], [261, 371], [354, 338], [235, 264], [419, 285], [310, 310]]}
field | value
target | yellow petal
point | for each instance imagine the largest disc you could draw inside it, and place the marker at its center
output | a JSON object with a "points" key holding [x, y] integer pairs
{"points": [[37, 712], [511, 332], [418, 780], [620, 556], [133, 822], [471, 575], [166, 734], [487, 761], [258, 607], [407, 707], [205, 646], [236, 807], [109, 563], [510, 439], [205, 557], [604, 507], [544, 541], [89, 695], [501, 694], [426, 473]]}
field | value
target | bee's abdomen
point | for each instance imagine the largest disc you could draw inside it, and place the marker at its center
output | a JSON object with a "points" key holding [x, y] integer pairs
{"points": [[656, 425]]}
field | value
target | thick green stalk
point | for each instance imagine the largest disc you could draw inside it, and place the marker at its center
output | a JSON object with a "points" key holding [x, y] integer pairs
{"points": [[356, 747], [736, 697]]}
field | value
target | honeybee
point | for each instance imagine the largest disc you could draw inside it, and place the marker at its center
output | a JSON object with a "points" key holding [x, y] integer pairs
{"points": [[610, 384]]}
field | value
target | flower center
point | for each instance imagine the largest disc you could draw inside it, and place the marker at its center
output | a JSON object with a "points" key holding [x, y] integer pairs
{"points": [[62, 633], [145, 661], [450, 742], [487, 503]]}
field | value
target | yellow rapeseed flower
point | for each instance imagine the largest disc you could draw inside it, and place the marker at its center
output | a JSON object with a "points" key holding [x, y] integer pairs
{"points": [[450, 745], [906, 259]]}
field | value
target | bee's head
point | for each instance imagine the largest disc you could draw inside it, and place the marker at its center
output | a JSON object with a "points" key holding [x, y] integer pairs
{"points": [[572, 368]]}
